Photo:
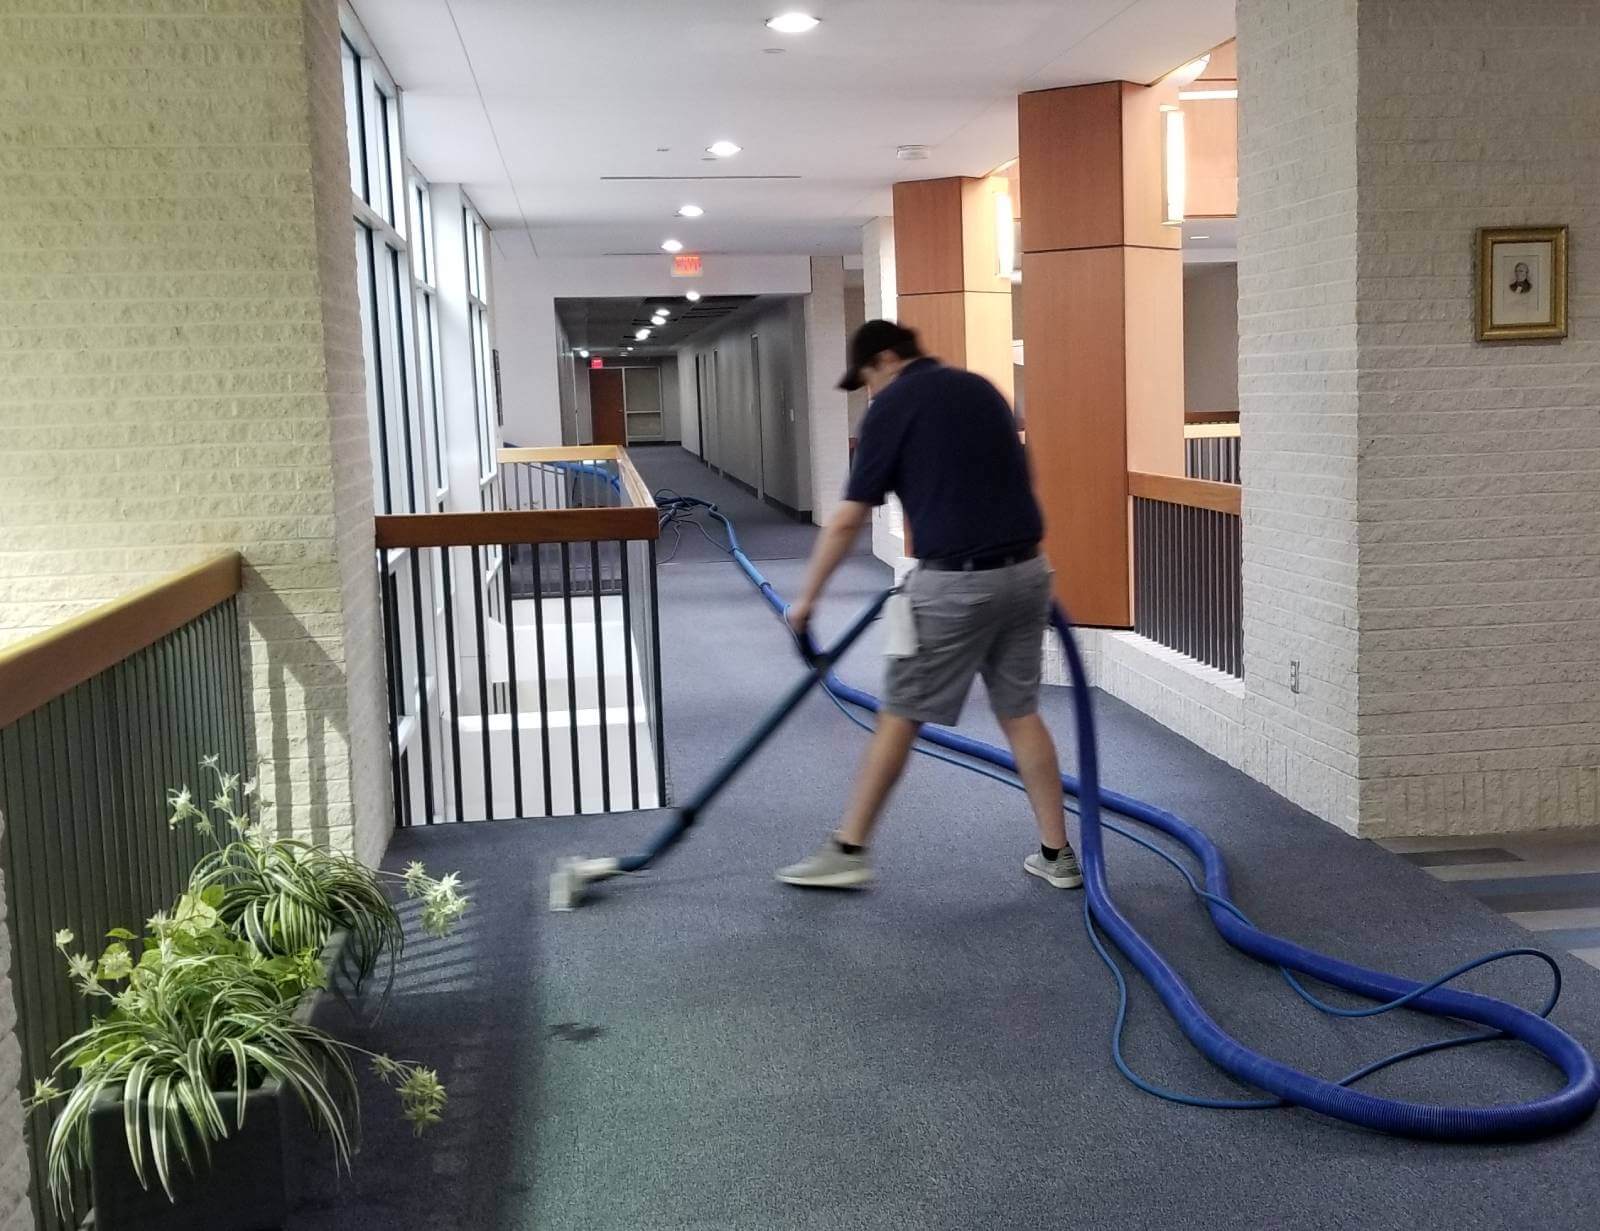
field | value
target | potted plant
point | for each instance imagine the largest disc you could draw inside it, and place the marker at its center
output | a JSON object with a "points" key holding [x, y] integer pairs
{"points": [[204, 1047], [286, 895]]}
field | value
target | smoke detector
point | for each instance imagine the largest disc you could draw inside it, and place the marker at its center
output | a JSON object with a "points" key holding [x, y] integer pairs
{"points": [[911, 153]]}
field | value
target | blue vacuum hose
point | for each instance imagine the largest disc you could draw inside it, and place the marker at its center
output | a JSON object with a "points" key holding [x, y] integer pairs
{"points": [[1537, 1117]]}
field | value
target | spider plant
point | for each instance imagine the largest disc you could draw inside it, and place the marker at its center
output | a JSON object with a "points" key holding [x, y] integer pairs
{"points": [[286, 895], [193, 1009]]}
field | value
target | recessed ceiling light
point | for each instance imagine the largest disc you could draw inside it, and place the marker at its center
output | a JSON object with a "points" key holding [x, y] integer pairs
{"points": [[690, 211], [658, 321], [693, 296], [773, 51], [1199, 237], [672, 245], [583, 354], [911, 153], [722, 149], [663, 311], [793, 23], [641, 335]]}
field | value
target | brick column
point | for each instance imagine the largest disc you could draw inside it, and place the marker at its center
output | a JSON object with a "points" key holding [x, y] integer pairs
{"points": [[180, 357], [1421, 509]]}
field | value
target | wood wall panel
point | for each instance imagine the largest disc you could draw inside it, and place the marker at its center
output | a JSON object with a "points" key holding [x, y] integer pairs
{"points": [[1143, 145], [1213, 138], [1071, 152], [927, 236], [940, 322], [1074, 323], [1153, 332], [988, 340], [980, 245]]}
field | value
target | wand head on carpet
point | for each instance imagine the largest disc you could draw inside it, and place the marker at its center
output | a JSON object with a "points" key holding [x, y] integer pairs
{"points": [[572, 876]]}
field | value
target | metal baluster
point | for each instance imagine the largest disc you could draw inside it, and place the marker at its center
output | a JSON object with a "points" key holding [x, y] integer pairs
{"points": [[600, 675], [451, 654], [539, 654], [391, 637], [623, 551], [422, 688], [483, 683], [655, 667], [508, 607], [572, 678]]}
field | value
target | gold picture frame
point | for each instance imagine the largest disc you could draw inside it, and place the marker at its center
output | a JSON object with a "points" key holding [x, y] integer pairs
{"points": [[1522, 283]]}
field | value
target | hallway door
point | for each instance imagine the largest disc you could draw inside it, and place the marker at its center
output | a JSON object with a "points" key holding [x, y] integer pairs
{"points": [[608, 407]]}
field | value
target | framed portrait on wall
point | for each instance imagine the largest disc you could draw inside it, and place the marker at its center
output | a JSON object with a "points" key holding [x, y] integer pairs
{"points": [[1522, 283]]}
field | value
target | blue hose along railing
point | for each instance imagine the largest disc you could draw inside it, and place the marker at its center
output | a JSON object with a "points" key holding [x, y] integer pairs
{"points": [[98, 718], [1287, 1086]]}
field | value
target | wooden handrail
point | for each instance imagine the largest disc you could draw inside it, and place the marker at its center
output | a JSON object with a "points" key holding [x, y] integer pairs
{"points": [[1207, 431], [516, 526], [1194, 493], [50, 664], [633, 485]]}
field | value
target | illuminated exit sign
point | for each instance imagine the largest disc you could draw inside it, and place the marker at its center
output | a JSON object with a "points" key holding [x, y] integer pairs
{"points": [[686, 265], [597, 362]]}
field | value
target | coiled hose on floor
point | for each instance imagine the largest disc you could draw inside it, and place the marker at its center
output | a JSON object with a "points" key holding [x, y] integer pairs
{"points": [[1537, 1117]]}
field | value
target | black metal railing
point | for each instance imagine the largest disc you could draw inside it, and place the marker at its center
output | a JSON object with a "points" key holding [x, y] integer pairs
{"points": [[1187, 582], [1212, 453], [524, 655], [97, 720], [586, 483]]}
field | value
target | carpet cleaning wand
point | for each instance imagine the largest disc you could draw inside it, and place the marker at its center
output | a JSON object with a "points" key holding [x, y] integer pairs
{"points": [[573, 875]]}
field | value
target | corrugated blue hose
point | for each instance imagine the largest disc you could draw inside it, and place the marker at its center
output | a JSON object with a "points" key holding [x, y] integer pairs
{"points": [[1536, 1117]]}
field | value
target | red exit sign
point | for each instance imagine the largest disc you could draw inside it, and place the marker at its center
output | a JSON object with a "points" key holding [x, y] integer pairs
{"points": [[597, 362], [686, 265]]}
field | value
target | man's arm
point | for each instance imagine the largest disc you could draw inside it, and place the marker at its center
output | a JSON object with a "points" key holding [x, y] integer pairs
{"points": [[831, 549]]}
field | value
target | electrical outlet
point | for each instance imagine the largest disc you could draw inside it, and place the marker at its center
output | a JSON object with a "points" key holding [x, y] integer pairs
{"points": [[1294, 675]]}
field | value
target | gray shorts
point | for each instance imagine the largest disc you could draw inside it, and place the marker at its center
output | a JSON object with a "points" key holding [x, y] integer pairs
{"points": [[989, 623]]}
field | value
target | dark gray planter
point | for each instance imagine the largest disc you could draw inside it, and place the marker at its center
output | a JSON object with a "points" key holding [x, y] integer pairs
{"points": [[246, 1187], [252, 1180]]}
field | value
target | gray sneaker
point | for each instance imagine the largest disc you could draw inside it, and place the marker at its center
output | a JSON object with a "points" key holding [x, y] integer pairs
{"points": [[1063, 872], [828, 868]]}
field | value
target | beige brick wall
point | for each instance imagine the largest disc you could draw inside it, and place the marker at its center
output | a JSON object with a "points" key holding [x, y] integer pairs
{"points": [[15, 1211], [1298, 397], [180, 367], [1480, 463], [179, 352]]}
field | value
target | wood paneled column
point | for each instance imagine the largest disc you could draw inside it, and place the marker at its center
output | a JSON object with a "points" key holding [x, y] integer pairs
{"points": [[1102, 309], [949, 284]]}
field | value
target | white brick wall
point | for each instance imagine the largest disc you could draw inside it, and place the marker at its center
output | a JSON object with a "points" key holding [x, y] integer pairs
{"points": [[1480, 464], [1298, 396], [179, 367]]}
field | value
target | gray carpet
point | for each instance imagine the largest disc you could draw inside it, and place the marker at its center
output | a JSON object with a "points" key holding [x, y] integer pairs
{"points": [[699, 1047]]}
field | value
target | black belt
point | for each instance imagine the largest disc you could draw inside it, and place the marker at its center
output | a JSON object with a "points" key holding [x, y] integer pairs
{"points": [[981, 564]]}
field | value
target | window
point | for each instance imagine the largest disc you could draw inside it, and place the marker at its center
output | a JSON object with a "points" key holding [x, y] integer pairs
{"points": [[483, 382], [431, 391]]}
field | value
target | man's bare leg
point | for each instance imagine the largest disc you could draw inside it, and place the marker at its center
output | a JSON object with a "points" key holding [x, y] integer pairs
{"points": [[1040, 770], [881, 768]]}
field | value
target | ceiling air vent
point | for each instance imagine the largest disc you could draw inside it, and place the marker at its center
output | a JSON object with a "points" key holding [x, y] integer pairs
{"points": [[911, 153]]}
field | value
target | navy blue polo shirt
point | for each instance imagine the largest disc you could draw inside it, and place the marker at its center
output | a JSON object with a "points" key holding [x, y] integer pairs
{"points": [[945, 442]]}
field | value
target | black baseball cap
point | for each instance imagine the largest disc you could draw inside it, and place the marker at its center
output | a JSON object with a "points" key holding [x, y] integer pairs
{"points": [[870, 341]]}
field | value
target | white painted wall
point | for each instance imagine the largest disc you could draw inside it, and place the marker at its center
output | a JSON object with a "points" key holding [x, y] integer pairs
{"points": [[526, 288], [1211, 337], [828, 426], [772, 456]]}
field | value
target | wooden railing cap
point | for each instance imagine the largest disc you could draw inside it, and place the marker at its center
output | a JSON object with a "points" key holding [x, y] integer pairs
{"points": [[36, 671]]}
